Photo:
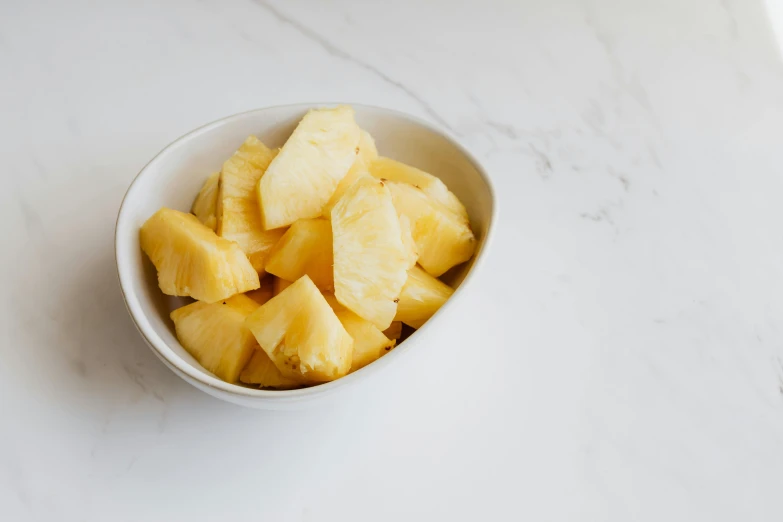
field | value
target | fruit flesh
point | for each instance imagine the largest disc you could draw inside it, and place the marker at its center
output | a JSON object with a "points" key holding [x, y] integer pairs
{"points": [[238, 215], [385, 168], [369, 258], [265, 292], [421, 297], [305, 248], [205, 205], [301, 334], [192, 260], [369, 343], [367, 153], [216, 336], [443, 239], [395, 330], [306, 172], [261, 371]]}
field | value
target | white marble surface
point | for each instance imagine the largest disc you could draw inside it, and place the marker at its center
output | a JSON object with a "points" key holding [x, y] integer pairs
{"points": [[628, 360]]}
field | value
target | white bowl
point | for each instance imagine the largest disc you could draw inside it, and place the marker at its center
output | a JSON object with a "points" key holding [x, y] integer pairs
{"points": [[174, 176]]}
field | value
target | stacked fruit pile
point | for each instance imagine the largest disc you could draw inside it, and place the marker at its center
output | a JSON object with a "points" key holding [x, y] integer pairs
{"points": [[306, 261]]}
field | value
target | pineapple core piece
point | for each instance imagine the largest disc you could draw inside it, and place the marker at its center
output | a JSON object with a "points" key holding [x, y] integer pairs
{"points": [[369, 257], [369, 343], [216, 336], [302, 335], [303, 177], [367, 153], [192, 261], [263, 372], [205, 204], [421, 297], [442, 239], [385, 168], [306, 248], [238, 215]]}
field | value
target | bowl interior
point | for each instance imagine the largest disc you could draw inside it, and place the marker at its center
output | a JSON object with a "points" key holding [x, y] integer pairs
{"points": [[174, 177]]}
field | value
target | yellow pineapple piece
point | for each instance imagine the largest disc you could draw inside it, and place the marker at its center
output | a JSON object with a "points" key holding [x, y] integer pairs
{"points": [[421, 297], [205, 204], [369, 258], [279, 285], [395, 330], [303, 177], [192, 260], [262, 371], [238, 215], [265, 292], [305, 248], [442, 239], [302, 335], [367, 153], [409, 245], [369, 343], [215, 334], [385, 168]]}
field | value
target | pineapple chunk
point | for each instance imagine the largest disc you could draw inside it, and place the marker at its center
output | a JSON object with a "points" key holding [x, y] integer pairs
{"points": [[302, 335], [215, 334], [395, 330], [303, 177], [442, 239], [238, 216], [306, 248], [409, 245], [265, 292], [279, 285], [421, 297], [192, 261], [385, 168], [263, 372], [369, 343], [369, 257], [205, 204], [367, 153]]}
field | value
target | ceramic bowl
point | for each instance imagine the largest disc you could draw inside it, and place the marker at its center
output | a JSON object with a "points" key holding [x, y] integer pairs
{"points": [[174, 176]]}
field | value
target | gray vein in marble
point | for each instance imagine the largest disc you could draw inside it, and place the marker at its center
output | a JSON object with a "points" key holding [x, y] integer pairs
{"points": [[335, 51], [733, 25]]}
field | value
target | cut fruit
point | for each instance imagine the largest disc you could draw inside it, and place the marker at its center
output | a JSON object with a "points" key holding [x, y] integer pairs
{"points": [[262, 372], [442, 239], [302, 335], [238, 215], [192, 260], [216, 336], [303, 177], [205, 204], [369, 343], [367, 153], [395, 330], [369, 257], [265, 293], [279, 285], [385, 168], [305, 248], [421, 297], [409, 245]]}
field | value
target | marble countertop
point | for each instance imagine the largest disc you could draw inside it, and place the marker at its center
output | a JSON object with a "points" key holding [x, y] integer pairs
{"points": [[622, 357]]}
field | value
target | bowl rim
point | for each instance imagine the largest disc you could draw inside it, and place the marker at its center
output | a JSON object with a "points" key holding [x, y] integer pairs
{"points": [[183, 369]]}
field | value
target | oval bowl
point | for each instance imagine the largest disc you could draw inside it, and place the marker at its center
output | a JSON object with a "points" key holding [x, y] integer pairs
{"points": [[174, 177]]}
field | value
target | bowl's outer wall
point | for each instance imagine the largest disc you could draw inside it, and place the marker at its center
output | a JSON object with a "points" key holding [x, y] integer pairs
{"points": [[174, 177]]}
